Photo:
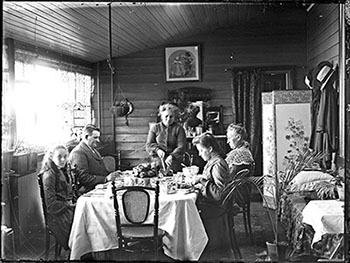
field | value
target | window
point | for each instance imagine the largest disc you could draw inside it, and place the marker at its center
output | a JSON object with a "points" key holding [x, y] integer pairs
{"points": [[44, 100]]}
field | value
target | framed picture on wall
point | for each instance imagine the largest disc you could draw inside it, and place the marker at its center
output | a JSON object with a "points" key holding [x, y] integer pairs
{"points": [[182, 63], [277, 80]]}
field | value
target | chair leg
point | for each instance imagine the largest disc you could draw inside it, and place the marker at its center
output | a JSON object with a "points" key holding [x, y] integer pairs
{"points": [[245, 221], [47, 245], [250, 226], [234, 243], [58, 249]]}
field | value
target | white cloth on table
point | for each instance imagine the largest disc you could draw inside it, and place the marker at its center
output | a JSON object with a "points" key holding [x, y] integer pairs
{"points": [[325, 217], [94, 227]]}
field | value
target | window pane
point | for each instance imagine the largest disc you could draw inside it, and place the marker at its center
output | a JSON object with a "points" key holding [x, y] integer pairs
{"points": [[45, 99]]}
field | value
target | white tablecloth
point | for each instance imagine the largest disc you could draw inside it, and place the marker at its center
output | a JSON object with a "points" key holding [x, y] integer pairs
{"points": [[94, 227], [325, 217]]}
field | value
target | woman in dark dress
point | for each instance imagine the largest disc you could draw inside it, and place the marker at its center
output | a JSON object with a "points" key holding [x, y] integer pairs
{"points": [[57, 185], [166, 140], [211, 186]]}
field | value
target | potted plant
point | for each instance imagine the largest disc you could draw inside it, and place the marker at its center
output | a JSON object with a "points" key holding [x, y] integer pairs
{"points": [[302, 160], [7, 149], [332, 189]]}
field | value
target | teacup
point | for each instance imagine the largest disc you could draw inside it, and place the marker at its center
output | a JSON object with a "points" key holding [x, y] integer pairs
{"points": [[171, 187], [194, 169]]}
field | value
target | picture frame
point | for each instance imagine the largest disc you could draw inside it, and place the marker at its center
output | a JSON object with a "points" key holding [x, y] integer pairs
{"points": [[182, 63], [277, 80]]}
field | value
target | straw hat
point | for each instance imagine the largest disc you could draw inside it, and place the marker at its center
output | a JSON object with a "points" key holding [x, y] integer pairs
{"points": [[322, 74]]}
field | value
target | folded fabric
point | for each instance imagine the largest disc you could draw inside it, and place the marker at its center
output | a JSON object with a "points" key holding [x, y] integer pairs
{"points": [[306, 180]]}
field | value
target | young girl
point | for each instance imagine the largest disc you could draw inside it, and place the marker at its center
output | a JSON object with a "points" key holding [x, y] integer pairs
{"points": [[57, 185]]}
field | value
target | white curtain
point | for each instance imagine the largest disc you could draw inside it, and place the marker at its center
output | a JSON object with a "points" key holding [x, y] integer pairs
{"points": [[43, 101]]}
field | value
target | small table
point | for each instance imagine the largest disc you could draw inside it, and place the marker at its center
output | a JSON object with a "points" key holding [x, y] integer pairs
{"points": [[94, 226], [325, 216]]}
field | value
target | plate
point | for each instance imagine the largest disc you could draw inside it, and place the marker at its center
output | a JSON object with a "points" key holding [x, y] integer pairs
{"points": [[184, 186]]}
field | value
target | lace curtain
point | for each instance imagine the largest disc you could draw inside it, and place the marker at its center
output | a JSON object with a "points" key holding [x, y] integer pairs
{"points": [[43, 101]]}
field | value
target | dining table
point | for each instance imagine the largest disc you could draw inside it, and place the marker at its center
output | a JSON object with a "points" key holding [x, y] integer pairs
{"points": [[94, 227]]}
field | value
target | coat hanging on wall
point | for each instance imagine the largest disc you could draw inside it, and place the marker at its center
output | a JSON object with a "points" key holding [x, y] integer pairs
{"points": [[324, 110]]}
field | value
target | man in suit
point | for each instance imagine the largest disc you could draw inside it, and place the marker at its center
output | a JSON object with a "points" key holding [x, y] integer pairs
{"points": [[90, 169]]}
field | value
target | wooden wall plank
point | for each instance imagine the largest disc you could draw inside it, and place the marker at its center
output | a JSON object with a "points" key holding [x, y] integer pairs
{"points": [[141, 77], [323, 34]]}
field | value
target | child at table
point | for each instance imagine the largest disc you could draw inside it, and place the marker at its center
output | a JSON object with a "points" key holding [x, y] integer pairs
{"points": [[211, 185], [57, 185]]}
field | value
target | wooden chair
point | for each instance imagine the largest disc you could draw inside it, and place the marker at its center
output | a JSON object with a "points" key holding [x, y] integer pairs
{"points": [[234, 243], [232, 191], [48, 232], [135, 235], [110, 163], [242, 203]]}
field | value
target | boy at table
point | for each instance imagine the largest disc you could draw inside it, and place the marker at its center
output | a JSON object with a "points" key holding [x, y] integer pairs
{"points": [[88, 161], [211, 185]]}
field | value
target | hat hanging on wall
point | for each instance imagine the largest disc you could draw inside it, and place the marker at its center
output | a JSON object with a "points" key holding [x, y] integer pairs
{"points": [[321, 75]]}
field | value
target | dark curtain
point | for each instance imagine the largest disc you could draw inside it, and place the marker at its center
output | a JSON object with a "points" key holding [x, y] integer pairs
{"points": [[246, 86]]}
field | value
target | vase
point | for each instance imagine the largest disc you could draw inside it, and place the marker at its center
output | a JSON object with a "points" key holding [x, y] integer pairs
{"points": [[277, 253], [6, 160]]}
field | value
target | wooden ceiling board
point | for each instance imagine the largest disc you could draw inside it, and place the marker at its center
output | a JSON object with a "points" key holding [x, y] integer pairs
{"points": [[143, 26], [176, 28], [179, 20], [42, 37], [198, 17], [222, 15], [58, 31], [149, 25], [163, 20], [124, 34], [81, 29], [184, 14], [48, 28], [82, 24]]}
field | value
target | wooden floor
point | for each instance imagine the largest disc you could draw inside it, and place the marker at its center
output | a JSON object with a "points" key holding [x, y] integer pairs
{"points": [[251, 251]]}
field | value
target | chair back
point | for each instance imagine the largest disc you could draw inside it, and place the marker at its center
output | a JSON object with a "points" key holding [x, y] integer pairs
{"points": [[243, 193], [232, 187], [42, 196], [136, 205], [110, 163]]}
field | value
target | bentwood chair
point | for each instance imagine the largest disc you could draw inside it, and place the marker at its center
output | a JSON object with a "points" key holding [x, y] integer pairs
{"points": [[232, 192], [242, 198], [48, 231], [135, 235], [110, 163]]}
